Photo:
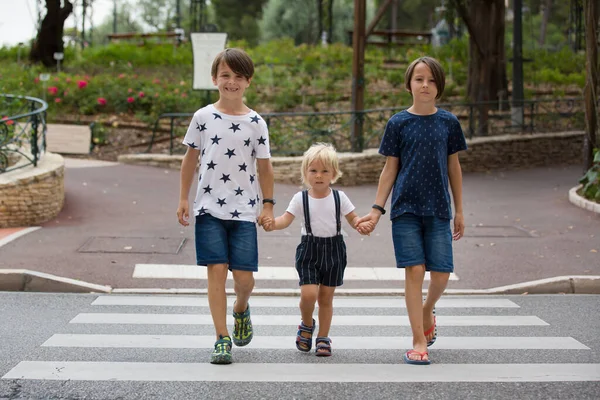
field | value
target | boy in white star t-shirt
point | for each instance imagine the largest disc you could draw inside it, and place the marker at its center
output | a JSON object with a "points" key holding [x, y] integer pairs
{"points": [[232, 142]]}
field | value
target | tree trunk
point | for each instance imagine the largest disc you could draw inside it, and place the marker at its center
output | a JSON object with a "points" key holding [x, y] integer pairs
{"points": [[547, 5], [590, 90], [487, 79], [49, 39], [330, 22], [320, 20]]}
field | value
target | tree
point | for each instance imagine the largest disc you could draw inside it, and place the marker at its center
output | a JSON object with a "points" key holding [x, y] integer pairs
{"points": [[239, 19], [487, 79], [49, 38], [125, 23], [299, 20]]}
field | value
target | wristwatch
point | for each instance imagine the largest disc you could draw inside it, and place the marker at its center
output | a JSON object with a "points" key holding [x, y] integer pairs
{"points": [[379, 208], [272, 201]]}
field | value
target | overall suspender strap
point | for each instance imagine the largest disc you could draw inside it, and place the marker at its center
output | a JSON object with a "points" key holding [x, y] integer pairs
{"points": [[338, 217], [306, 212]]}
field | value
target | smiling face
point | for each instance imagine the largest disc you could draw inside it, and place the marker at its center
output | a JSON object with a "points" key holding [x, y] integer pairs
{"points": [[231, 85], [422, 84]]}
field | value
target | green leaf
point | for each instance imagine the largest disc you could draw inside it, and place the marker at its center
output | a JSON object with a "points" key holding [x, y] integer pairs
{"points": [[597, 155]]}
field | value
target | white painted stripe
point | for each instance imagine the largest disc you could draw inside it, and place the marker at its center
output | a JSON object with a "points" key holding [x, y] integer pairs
{"points": [[279, 302], [340, 342], [279, 320], [18, 234], [172, 271], [302, 372]]}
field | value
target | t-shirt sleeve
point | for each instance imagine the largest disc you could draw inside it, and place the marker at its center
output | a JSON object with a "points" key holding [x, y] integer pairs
{"points": [[192, 137], [295, 206], [390, 143], [346, 206], [261, 143], [456, 138]]}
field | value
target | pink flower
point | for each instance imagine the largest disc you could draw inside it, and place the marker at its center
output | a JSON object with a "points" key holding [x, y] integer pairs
{"points": [[36, 80], [130, 90], [130, 99], [155, 94], [102, 101], [184, 95], [156, 81], [66, 92], [87, 77], [8, 121], [82, 84], [56, 79], [57, 100], [68, 80], [121, 76], [141, 94], [53, 90]]}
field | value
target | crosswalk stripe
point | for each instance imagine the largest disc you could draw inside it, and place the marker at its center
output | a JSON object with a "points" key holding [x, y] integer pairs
{"points": [[302, 372], [279, 302], [183, 271], [340, 342], [278, 320]]}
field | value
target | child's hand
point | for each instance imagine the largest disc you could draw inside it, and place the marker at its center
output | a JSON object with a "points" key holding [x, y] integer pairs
{"points": [[183, 212], [268, 224], [365, 228], [459, 226]]}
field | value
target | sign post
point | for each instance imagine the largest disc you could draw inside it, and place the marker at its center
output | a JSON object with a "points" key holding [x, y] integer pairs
{"points": [[205, 47]]}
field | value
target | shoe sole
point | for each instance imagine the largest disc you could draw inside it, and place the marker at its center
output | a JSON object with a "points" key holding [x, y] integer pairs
{"points": [[242, 343], [220, 360]]}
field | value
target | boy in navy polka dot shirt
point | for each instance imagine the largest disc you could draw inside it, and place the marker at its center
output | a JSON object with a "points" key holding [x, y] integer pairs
{"points": [[421, 146]]}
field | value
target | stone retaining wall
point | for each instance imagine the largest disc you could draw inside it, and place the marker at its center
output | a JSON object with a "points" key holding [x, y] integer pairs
{"points": [[32, 195], [484, 154]]}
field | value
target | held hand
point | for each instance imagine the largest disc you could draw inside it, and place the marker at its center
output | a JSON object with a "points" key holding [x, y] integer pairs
{"points": [[459, 226], [183, 212], [268, 224], [365, 228], [366, 224], [266, 213]]}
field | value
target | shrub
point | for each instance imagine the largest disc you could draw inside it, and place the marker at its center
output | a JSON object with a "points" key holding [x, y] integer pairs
{"points": [[591, 180]]}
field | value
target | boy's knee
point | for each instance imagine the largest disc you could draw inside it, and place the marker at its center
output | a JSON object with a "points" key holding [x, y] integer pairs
{"points": [[244, 279]]}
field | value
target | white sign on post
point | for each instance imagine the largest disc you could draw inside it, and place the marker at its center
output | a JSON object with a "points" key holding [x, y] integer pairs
{"points": [[205, 46]]}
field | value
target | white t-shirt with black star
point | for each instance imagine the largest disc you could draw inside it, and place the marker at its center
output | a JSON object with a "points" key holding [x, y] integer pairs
{"points": [[322, 212], [228, 186]]}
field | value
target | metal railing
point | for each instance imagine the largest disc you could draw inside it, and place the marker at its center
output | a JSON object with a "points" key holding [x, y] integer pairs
{"points": [[22, 131], [293, 133]]}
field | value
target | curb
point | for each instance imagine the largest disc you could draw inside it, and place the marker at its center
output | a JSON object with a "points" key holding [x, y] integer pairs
{"points": [[22, 280], [582, 202]]}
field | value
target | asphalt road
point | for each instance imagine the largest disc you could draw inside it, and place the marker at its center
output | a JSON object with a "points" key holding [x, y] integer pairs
{"points": [[67, 346], [520, 227]]}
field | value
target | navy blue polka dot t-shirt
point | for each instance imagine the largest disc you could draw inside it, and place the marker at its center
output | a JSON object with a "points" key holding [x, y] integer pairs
{"points": [[423, 144]]}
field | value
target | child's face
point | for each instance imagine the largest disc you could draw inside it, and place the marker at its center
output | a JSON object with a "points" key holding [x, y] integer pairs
{"points": [[422, 84], [231, 85], [319, 176]]}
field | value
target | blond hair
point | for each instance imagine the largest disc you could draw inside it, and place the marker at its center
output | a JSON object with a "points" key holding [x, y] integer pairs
{"points": [[324, 152]]}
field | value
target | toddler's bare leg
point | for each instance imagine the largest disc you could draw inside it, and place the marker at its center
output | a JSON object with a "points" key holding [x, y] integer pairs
{"points": [[325, 309]]}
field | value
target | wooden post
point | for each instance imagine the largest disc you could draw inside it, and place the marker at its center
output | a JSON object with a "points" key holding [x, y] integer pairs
{"points": [[591, 85], [358, 74], [376, 19]]}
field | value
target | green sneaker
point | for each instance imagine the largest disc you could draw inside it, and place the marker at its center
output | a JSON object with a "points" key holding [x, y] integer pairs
{"points": [[222, 352], [242, 328]]}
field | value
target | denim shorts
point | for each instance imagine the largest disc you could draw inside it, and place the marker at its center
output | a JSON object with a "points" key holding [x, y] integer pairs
{"points": [[423, 240], [221, 241]]}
